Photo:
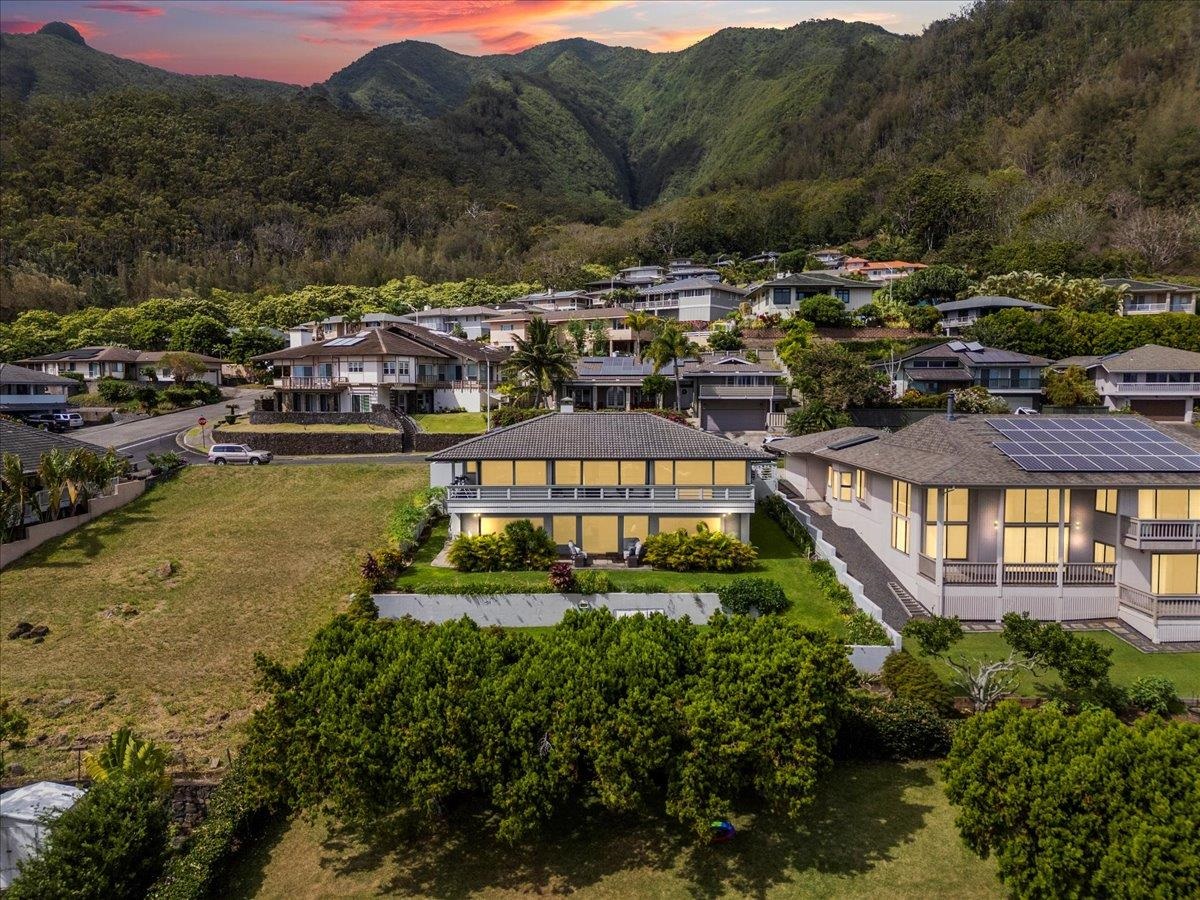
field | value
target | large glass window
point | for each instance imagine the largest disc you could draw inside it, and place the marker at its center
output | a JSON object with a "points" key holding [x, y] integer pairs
{"points": [[496, 471], [1169, 503], [530, 471], [693, 471], [1106, 500], [635, 527], [600, 472], [567, 471], [729, 472], [633, 471], [901, 495], [957, 502], [845, 486], [860, 484], [1103, 553], [600, 534], [1175, 573], [564, 529], [688, 523], [1031, 530], [495, 524]]}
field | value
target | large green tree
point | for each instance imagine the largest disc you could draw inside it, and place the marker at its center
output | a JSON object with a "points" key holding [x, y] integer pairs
{"points": [[671, 347], [540, 360]]}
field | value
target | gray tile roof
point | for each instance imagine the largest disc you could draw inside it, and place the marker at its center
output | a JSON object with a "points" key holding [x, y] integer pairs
{"points": [[598, 435], [564, 315], [30, 443], [88, 354], [987, 303], [807, 443], [689, 284], [375, 342], [817, 279], [728, 364], [1148, 287], [986, 356], [1152, 358], [962, 453], [449, 344], [14, 374]]}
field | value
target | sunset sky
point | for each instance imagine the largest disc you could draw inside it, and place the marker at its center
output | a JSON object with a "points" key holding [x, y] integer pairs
{"points": [[303, 41]]}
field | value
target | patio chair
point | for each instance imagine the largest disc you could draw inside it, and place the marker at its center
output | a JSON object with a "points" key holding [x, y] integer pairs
{"points": [[578, 557]]}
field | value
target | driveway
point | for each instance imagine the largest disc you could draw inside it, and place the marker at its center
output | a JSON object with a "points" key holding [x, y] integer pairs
{"points": [[131, 435]]}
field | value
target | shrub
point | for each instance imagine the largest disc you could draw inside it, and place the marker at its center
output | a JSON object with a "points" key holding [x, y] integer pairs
{"points": [[511, 415], [381, 568], [177, 395], [815, 416], [164, 462], [704, 551], [411, 516], [824, 311], [909, 677], [775, 508], [590, 581], [1152, 694], [205, 392], [362, 606], [562, 577], [74, 376], [878, 728], [861, 628], [114, 390], [519, 546], [112, 843], [746, 594]]}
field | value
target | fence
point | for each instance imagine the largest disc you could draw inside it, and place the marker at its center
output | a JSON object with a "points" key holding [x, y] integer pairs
{"points": [[36, 535]]}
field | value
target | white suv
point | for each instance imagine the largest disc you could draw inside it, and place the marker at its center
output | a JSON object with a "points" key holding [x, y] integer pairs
{"points": [[70, 419], [220, 454]]}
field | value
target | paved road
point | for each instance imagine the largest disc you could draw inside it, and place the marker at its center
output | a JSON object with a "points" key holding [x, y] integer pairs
{"points": [[131, 436]]}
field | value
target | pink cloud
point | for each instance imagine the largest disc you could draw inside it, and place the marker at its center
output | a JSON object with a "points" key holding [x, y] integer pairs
{"points": [[132, 9], [152, 56], [338, 41], [19, 26], [510, 42]]}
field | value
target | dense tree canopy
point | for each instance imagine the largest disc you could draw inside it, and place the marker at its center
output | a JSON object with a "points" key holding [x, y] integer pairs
{"points": [[1060, 333]]}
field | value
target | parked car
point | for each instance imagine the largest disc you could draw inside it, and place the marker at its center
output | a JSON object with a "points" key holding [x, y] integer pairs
{"points": [[220, 454], [46, 422], [70, 419]]}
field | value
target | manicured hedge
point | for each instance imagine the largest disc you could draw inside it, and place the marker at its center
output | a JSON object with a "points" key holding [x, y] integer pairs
{"points": [[878, 728], [520, 546], [704, 551], [746, 594]]}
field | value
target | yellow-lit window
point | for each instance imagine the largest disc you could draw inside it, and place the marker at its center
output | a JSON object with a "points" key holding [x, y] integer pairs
{"points": [[600, 534], [1169, 503], [664, 471], [1103, 553], [829, 482], [568, 471], [635, 527], [1031, 505], [729, 471], [693, 471], [860, 484], [564, 529], [496, 471], [1175, 573], [956, 516], [687, 523], [845, 486], [1029, 536], [633, 471], [1106, 501], [471, 467], [600, 472], [1031, 544], [495, 524], [530, 471], [901, 496]]}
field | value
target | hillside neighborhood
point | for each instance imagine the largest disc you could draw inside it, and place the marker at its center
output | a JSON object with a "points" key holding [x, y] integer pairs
{"points": [[762, 462]]}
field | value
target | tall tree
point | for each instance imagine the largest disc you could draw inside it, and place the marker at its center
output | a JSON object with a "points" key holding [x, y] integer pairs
{"points": [[540, 360], [672, 346], [641, 323]]}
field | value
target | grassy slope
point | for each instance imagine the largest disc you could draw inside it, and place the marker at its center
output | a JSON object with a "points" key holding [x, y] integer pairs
{"points": [[452, 423], [778, 559], [263, 556], [1128, 663], [877, 831]]}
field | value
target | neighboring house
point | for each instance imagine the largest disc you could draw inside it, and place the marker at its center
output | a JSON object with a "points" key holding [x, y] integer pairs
{"points": [[339, 326], [689, 300], [1141, 297], [829, 257], [783, 295], [1061, 517], [632, 277], [951, 365], [685, 269], [879, 271], [25, 390], [732, 394], [403, 367], [960, 314], [473, 321], [28, 444], [600, 480], [1161, 383], [766, 258], [122, 363], [552, 299], [615, 383], [505, 329]]}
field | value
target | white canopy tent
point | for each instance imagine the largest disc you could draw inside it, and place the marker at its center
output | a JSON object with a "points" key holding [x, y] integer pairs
{"points": [[22, 824]]}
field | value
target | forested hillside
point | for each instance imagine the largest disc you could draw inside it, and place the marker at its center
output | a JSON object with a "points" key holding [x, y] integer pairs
{"points": [[1050, 136]]}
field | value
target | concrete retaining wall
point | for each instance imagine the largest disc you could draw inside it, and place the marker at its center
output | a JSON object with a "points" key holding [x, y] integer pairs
{"points": [[526, 610], [314, 443], [36, 535]]}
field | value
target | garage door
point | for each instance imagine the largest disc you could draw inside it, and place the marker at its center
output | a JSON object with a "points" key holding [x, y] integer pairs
{"points": [[1161, 410], [734, 418]]}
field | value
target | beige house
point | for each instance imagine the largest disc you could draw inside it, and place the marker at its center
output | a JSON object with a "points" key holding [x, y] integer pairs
{"points": [[619, 337]]}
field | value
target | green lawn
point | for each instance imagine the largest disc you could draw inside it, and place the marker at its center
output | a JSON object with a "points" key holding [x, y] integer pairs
{"points": [[262, 557], [778, 559], [877, 831], [452, 423], [1128, 663], [296, 428]]}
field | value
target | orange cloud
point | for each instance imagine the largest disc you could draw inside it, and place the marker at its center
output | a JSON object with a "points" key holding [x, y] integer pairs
{"points": [[132, 9], [421, 17]]}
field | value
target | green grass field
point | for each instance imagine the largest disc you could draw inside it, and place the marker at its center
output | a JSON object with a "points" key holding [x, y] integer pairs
{"points": [[778, 559], [876, 831], [1128, 663], [452, 423], [261, 559]]}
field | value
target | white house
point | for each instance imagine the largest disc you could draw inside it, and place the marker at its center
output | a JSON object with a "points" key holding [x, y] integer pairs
{"points": [[783, 295], [1142, 297], [689, 300], [1161, 383]]}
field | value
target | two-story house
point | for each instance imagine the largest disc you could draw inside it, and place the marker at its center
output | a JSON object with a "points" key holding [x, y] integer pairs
{"points": [[615, 383], [599, 480], [1142, 297], [25, 390], [960, 314], [631, 277], [784, 294], [1161, 383], [1061, 517], [472, 322], [122, 363], [618, 338], [733, 394], [892, 270], [951, 365], [689, 300]]}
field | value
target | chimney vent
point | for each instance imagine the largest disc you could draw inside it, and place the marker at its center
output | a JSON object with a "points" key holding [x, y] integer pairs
{"points": [[566, 405], [950, 407]]}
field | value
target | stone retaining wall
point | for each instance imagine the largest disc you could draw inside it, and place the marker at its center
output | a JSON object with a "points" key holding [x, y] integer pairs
{"points": [[380, 416], [315, 443]]}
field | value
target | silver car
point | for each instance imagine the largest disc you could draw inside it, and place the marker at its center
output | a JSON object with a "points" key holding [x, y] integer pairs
{"points": [[220, 454]]}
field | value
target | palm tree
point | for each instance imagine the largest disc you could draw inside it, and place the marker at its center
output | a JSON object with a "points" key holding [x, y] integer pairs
{"points": [[540, 360], [639, 323], [125, 754], [84, 474], [671, 345], [14, 494], [52, 474]]}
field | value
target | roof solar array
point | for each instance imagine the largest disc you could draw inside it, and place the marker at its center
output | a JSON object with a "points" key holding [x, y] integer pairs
{"points": [[345, 341], [1092, 444]]}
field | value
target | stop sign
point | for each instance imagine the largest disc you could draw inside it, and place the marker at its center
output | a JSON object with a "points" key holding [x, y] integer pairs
{"points": [[203, 421]]}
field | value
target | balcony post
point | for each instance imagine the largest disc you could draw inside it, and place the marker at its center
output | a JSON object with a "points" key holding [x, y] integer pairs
{"points": [[1063, 546], [998, 527]]}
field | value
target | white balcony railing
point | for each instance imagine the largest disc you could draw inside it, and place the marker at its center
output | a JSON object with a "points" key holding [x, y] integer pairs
{"points": [[741, 391], [1045, 574], [310, 383], [566, 492], [1162, 534], [1152, 388], [1160, 606], [1160, 306]]}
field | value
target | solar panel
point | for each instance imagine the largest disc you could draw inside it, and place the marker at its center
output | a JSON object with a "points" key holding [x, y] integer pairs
{"points": [[1092, 444], [345, 341]]}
